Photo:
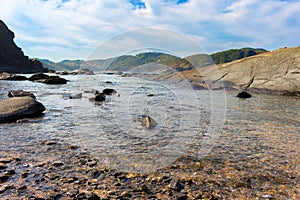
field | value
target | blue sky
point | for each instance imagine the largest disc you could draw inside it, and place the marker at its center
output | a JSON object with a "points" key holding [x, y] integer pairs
{"points": [[73, 29]]}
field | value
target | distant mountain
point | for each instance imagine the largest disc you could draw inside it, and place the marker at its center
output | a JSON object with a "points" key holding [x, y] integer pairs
{"points": [[12, 58], [149, 61], [129, 62], [235, 54]]}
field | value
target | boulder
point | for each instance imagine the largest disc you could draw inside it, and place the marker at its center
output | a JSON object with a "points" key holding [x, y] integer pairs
{"points": [[20, 93], [244, 95], [12, 77], [54, 80], [109, 91], [16, 108], [148, 122], [98, 97], [38, 76], [63, 73]]}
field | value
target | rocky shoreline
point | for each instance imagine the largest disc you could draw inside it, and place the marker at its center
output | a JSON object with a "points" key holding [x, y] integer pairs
{"points": [[54, 169]]}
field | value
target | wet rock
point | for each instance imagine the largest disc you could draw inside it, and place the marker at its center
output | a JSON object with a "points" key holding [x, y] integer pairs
{"points": [[150, 95], [4, 188], [6, 160], [126, 195], [20, 93], [12, 77], [145, 189], [38, 76], [108, 82], [176, 185], [16, 108], [197, 87], [244, 95], [148, 122], [76, 96], [53, 80], [63, 73], [92, 196], [109, 91], [3, 166], [57, 163], [98, 97]]}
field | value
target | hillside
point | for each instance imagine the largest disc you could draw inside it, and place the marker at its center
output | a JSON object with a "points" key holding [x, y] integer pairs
{"points": [[272, 72], [12, 58], [128, 62], [235, 54]]}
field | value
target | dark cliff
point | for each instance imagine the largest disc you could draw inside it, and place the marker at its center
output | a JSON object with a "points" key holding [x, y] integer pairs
{"points": [[12, 58]]}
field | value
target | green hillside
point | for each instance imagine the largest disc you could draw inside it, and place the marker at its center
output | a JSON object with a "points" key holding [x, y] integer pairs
{"points": [[235, 54], [128, 62]]}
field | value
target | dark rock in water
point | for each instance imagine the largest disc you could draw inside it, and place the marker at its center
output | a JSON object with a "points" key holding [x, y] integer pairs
{"points": [[76, 96], [109, 91], [96, 92], [63, 73], [148, 122], [20, 93], [100, 97], [12, 58], [197, 87], [38, 76], [54, 80], [16, 108], [82, 72], [150, 95], [244, 95], [12, 77], [108, 82]]}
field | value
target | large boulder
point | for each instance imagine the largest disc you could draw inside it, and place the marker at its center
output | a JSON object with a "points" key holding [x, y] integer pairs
{"points": [[12, 77], [38, 76], [16, 108], [20, 93], [54, 80]]}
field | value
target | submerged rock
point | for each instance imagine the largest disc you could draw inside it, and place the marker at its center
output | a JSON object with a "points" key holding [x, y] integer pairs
{"points": [[148, 122], [16, 108], [12, 77], [76, 96], [98, 97], [244, 95], [20, 93]]}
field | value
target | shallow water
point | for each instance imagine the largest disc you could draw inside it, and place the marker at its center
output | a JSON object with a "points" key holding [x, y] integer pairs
{"points": [[199, 124]]}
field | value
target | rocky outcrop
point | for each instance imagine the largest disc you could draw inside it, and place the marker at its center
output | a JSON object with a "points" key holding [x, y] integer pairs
{"points": [[12, 77], [276, 72], [12, 58], [44, 78], [16, 108], [148, 122], [82, 72]]}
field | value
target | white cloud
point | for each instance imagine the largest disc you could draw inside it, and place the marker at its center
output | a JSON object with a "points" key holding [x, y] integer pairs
{"points": [[64, 28]]}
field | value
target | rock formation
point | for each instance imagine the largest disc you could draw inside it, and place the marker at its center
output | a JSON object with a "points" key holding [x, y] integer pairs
{"points": [[12, 58]]}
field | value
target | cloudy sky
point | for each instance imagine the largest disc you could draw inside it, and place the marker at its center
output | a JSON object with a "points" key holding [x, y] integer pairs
{"points": [[73, 29]]}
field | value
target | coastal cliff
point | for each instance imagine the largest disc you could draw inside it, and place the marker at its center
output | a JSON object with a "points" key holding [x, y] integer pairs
{"points": [[12, 58]]}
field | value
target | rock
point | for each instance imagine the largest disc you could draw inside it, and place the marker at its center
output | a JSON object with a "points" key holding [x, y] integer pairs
{"points": [[82, 72], [176, 185], [109, 91], [20, 93], [244, 95], [148, 122], [54, 80], [150, 95], [16, 108], [3, 166], [108, 82], [100, 97], [63, 73], [197, 87], [76, 96], [12, 58], [12, 77], [38, 76]]}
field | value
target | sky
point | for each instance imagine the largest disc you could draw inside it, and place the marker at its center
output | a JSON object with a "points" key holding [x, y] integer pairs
{"points": [[75, 29]]}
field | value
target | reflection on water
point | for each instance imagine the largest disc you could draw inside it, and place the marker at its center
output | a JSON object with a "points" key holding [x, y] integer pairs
{"points": [[188, 122]]}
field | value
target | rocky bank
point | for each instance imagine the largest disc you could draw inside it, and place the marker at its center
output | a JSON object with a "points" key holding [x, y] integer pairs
{"points": [[12, 58]]}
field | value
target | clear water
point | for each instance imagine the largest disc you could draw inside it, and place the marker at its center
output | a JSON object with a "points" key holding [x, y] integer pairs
{"points": [[194, 123]]}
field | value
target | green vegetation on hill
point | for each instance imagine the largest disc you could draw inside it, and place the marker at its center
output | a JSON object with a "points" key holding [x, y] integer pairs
{"points": [[128, 62], [235, 54]]}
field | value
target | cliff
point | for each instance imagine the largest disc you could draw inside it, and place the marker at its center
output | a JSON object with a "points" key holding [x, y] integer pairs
{"points": [[12, 58]]}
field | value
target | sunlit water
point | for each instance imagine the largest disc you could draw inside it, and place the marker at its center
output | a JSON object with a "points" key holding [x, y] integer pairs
{"points": [[189, 122]]}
